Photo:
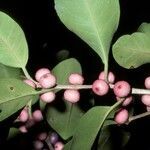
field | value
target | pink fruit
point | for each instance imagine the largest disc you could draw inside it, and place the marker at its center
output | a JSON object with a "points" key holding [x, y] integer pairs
{"points": [[121, 116], [122, 89], [127, 100], [42, 136], [29, 82], [111, 77], [37, 115], [23, 117], [47, 81], [41, 72], [23, 129], [148, 108], [54, 138], [76, 79], [147, 83], [48, 97], [100, 87], [146, 100], [58, 146], [72, 96], [38, 145], [30, 123]]}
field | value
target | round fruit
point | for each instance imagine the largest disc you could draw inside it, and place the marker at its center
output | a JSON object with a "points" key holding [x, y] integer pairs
{"points": [[100, 87], [111, 77], [147, 83], [122, 89], [41, 72], [48, 97], [47, 81], [76, 79], [146, 100], [72, 96], [121, 116]]}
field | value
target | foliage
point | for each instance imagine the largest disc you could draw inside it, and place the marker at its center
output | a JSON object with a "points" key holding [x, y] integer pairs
{"points": [[95, 22]]}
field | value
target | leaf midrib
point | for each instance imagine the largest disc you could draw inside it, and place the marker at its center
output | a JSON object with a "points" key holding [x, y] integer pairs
{"points": [[9, 48], [96, 31]]}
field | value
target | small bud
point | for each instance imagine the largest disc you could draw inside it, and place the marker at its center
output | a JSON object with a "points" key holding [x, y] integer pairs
{"points": [[30, 83], [48, 97], [23, 129], [41, 72], [100, 87], [76, 79], [23, 117], [111, 77], [127, 100], [72, 96]]}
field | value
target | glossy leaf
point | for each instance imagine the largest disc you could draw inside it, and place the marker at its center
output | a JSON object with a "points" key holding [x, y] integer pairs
{"points": [[87, 129], [94, 21], [65, 118], [14, 94], [145, 28], [10, 72], [13, 45], [132, 51]]}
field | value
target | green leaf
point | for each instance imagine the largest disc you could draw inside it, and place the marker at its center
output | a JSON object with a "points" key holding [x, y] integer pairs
{"points": [[94, 21], [65, 118], [13, 132], [145, 28], [13, 45], [132, 51], [9, 72], [64, 121], [14, 94], [62, 55], [107, 140], [87, 129], [65, 68], [62, 72]]}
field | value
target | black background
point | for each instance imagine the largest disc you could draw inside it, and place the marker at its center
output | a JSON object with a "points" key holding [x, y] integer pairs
{"points": [[46, 35]]}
